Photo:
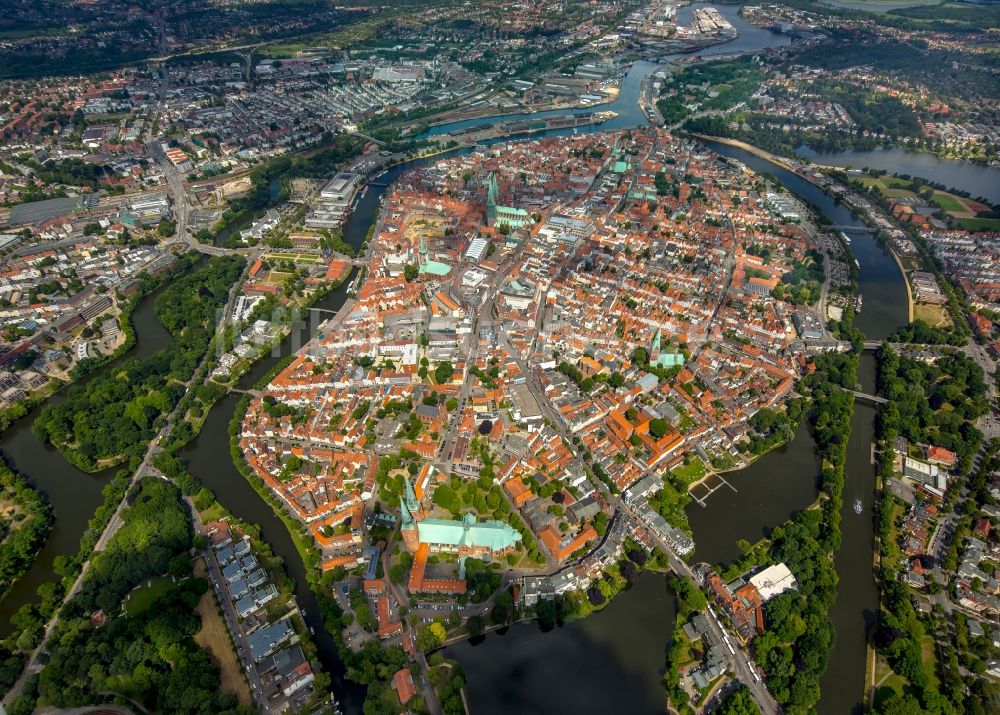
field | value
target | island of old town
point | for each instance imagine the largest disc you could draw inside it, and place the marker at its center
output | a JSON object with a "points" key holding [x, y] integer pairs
{"points": [[545, 331], [489, 356]]}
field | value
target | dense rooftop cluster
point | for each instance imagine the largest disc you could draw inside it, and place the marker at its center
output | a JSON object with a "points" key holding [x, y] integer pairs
{"points": [[535, 314]]}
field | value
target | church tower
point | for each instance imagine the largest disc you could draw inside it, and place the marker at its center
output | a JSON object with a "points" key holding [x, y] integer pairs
{"points": [[410, 513]]}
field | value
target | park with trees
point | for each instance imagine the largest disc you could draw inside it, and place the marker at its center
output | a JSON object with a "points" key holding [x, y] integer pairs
{"points": [[122, 409], [147, 655]]}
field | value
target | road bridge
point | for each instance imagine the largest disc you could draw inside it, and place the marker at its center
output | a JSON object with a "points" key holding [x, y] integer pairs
{"points": [[859, 229], [874, 399]]}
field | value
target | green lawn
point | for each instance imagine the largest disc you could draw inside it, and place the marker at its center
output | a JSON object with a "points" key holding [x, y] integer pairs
{"points": [[888, 186], [947, 202], [690, 472], [296, 257], [980, 224], [142, 597], [935, 315], [928, 656], [213, 513]]}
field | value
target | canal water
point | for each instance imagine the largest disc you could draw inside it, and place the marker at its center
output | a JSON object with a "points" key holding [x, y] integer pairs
{"points": [[610, 662], [246, 218], [74, 495], [978, 180], [767, 493], [856, 607], [881, 285], [626, 105], [526, 670], [208, 458]]}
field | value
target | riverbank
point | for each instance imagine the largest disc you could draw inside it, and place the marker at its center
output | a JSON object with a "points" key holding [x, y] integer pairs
{"points": [[87, 367], [31, 519], [857, 596], [906, 281], [755, 150], [785, 164]]}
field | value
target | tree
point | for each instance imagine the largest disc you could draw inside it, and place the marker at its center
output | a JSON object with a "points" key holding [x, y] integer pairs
{"points": [[739, 701], [166, 228], [476, 626], [410, 272], [431, 637], [503, 608], [443, 372], [658, 427]]}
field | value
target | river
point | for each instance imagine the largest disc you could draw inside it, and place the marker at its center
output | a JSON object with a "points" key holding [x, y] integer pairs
{"points": [[610, 662], [246, 218], [534, 675], [626, 105], [74, 495], [207, 457], [623, 646], [856, 606], [978, 180]]}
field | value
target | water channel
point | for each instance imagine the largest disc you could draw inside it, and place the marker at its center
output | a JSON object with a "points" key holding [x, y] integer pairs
{"points": [[526, 670], [74, 495], [856, 606], [208, 458], [246, 218], [751, 38], [977, 179]]}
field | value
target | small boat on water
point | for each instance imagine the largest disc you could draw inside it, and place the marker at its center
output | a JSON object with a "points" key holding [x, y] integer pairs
{"points": [[858, 506], [857, 304], [857, 264], [847, 239]]}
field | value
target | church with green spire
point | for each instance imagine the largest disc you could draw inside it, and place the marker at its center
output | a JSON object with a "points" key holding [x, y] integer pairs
{"points": [[465, 537], [499, 215], [426, 265], [662, 359]]}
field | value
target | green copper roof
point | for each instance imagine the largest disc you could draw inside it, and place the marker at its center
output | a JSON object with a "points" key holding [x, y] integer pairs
{"points": [[435, 268], [492, 535], [669, 359], [620, 167]]}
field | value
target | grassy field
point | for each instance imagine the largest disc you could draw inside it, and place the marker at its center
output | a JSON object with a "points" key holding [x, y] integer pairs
{"points": [[947, 202], [296, 257], [980, 224], [895, 513], [935, 315], [213, 513], [883, 182], [214, 637], [142, 597], [929, 659], [690, 472], [888, 186]]}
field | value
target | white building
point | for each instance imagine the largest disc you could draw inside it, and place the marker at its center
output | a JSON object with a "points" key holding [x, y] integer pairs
{"points": [[773, 580]]}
